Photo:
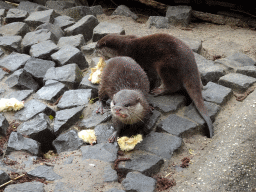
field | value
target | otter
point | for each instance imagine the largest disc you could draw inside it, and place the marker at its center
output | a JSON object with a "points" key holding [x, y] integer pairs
{"points": [[161, 56], [127, 85]]}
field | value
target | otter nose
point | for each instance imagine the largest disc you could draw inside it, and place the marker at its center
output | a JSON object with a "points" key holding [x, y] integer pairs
{"points": [[117, 109]]}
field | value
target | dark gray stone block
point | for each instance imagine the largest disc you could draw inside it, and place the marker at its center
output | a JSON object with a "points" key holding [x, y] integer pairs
{"points": [[14, 61], [75, 98], [15, 28], [110, 175], [103, 132], [2, 73], [237, 82], [27, 186], [146, 163], [35, 37], [68, 141], [229, 65], [105, 28], [152, 120], [103, 151], [17, 142], [75, 41], [158, 22], [69, 54], [55, 30], [60, 5], [96, 10], [160, 144], [94, 62], [242, 58], [3, 177], [179, 15], [89, 48], [45, 172], [176, 125], [211, 73], [19, 95], [86, 84], [167, 103], [194, 44], [31, 109], [22, 80], [11, 43], [78, 12], [124, 10], [216, 93], [66, 118], [16, 15], [51, 91], [84, 26], [3, 124], [28, 6], [139, 182], [43, 50], [63, 21], [70, 75], [247, 70]]}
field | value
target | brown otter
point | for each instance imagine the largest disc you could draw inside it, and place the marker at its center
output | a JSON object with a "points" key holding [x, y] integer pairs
{"points": [[164, 56], [127, 85]]}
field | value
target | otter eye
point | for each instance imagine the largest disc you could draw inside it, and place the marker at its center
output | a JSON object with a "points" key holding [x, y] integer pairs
{"points": [[114, 103], [127, 105]]}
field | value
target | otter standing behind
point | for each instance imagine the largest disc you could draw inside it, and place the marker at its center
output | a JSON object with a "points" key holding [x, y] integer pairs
{"points": [[127, 85], [164, 56]]}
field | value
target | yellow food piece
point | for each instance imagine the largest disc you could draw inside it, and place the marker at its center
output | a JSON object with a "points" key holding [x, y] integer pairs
{"points": [[10, 104], [88, 136], [96, 72], [128, 143]]}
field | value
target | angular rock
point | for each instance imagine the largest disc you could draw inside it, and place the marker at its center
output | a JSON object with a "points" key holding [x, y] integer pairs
{"points": [[41, 8], [19, 95], [15, 15], [68, 141], [3, 177], [55, 30], [86, 84], [84, 26], [139, 182], [115, 190], [89, 48], [211, 73], [124, 10], [1, 53], [75, 41], [176, 125], [35, 37], [3, 124], [104, 28], [103, 132], [110, 174], [60, 5], [51, 91], [160, 144], [77, 12], [70, 75], [237, 82], [94, 62], [103, 151], [40, 17], [216, 93], [179, 15], [145, 163], [27, 186], [2, 91], [194, 44], [95, 119], [3, 12], [96, 10], [2, 74], [22, 80], [74, 98], [14, 61], [38, 68], [45, 172], [17, 142], [247, 70], [11, 43], [4, 5], [31, 109], [66, 118], [69, 54], [38, 129], [167, 103], [63, 21], [15, 28], [202, 63], [152, 120], [43, 50], [229, 65], [28, 6], [158, 22], [242, 58]]}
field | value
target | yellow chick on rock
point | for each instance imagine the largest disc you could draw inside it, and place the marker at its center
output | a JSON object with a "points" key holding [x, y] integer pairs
{"points": [[128, 143], [10, 104], [96, 72], [88, 136]]}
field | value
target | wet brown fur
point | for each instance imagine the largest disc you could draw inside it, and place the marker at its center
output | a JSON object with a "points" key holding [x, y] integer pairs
{"points": [[164, 56]]}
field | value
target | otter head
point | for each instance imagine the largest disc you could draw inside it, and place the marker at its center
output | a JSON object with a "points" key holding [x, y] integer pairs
{"points": [[112, 44], [126, 106]]}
